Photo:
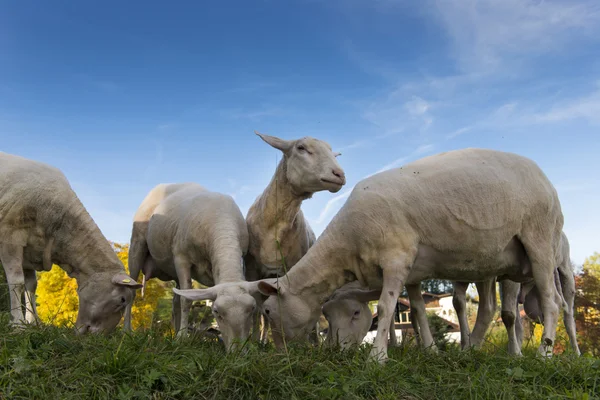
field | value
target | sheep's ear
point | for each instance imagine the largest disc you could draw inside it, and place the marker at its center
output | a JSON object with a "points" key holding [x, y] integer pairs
{"points": [[337, 154], [122, 279], [267, 288], [197, 294], [273, 141]]}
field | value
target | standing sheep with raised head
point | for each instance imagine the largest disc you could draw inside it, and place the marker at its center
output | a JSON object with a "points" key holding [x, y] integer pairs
{"points": [[276, 225], [183, 232], [467, 215], [42, 222]]}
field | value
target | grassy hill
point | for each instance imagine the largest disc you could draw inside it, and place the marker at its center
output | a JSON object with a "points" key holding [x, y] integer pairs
{"points": [[53, 363]]}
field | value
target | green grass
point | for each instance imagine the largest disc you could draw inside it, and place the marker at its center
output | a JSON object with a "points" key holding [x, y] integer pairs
{"points": [[51, 363]]}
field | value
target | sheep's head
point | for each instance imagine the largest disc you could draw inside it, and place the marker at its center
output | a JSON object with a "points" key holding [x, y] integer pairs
{"points": [[102, 301], [349, 321], [311, 165], [289, 315], [233, 308]]}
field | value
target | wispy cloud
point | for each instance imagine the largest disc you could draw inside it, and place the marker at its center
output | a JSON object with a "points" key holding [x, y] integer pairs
{"points": [[459, 132], [330, 204], [585, 107], [398, 111], [488, 35], [399, 161]]}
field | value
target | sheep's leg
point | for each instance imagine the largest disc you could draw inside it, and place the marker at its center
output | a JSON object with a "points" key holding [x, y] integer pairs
{"points": [[418, 305], [510, 313], [11, 257], [415, 326], [541, 255], [395, 271], [138, 253], [176, 311], [485, 312], [31, 314], [568, 289], [393, 337], [459, 301], [184, 276]]}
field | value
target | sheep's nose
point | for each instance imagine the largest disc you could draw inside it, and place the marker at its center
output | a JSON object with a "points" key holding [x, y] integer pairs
{"points": [[339, 174]]}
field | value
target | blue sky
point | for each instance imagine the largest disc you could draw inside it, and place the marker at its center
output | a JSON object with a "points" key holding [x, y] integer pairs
{"points": [[124, 95]]}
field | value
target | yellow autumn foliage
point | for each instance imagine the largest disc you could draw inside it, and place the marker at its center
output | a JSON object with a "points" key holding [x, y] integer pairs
{"points": [[58, 302]]}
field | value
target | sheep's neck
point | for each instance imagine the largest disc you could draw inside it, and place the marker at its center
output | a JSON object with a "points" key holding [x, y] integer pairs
{"points": [[227, 263], [321, 271], [81, 247], [281, 201]]}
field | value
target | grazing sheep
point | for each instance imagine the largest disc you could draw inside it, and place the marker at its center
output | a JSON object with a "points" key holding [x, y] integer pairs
{"points": [[467, 215], [350, 319], [183, 231], [276, 224], [42, 222]]}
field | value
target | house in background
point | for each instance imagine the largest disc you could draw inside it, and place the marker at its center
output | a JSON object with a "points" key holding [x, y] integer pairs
{"points": [[440, 304]]}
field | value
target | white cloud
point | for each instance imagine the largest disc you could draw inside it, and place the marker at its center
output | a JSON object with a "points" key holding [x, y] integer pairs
{"points": [[489, 34], [417, 106], [586, 107], [459, 132]]}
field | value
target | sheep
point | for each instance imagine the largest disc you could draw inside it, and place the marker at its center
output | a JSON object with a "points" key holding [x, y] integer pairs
{"points": [[350, 318], [183, 231], [276, 225], [43, 222], [469, 215]]}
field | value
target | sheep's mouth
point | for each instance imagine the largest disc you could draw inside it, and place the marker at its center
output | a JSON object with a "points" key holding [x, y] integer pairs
{"points": [[338, 183]]}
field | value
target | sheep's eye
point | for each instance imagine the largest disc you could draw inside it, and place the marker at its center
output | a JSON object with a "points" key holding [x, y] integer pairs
{"points": [[215, 311], [301, 148], [356, 313], [267, 311], [123, 300]]}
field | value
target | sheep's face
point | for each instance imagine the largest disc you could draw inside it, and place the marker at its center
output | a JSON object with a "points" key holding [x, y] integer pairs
{"points": [[291, 317], [234, 312], [233, 308], [102, 302], [311, 165], [349, 322]]}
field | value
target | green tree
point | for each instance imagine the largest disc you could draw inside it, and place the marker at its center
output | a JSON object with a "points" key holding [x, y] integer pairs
{"points": [[439, 329], [587, 306]]}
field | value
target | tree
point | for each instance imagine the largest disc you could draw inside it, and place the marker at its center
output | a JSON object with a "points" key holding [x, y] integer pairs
{"points": [[57, 301], [439, 329], [437, 286], [587, 305]]}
